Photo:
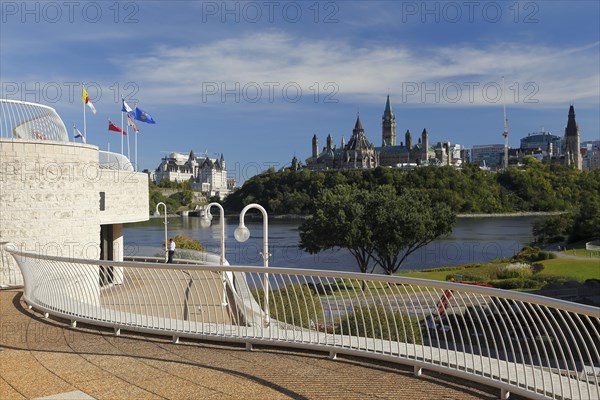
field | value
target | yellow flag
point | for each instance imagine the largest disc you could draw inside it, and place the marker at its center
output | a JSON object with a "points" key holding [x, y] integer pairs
{"points": [[86, 100]]}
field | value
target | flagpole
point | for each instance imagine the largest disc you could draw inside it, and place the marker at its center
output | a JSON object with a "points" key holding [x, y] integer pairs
{"points": [[128, 154], [135, 133], [108, 146], [135, 148], [121, 133], [84, 122]]}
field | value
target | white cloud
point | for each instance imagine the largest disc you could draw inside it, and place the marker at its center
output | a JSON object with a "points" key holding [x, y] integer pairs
{"points": [[550, 75]]}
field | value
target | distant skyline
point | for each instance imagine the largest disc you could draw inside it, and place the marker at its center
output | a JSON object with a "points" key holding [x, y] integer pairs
{"points": [[256, 80]]}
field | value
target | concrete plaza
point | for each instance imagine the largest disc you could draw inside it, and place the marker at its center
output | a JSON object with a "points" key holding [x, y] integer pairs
{"points": [[47, 358]]}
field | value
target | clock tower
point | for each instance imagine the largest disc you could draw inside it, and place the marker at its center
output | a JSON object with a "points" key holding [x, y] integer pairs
{"points": [[388, 126]]}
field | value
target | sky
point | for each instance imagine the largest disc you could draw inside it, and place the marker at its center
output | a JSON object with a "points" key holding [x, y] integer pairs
{"points": [[256, 80]]}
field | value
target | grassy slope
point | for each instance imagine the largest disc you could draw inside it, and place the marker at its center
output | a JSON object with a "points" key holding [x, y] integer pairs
{"points": [[579, 270]]}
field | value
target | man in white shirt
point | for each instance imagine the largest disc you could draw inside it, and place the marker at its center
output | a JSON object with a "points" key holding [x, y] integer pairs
{"points": [[171, 250]]}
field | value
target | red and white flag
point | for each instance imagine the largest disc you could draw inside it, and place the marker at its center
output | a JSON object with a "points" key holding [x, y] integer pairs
{"points": [[113, 127], [131, 124]]}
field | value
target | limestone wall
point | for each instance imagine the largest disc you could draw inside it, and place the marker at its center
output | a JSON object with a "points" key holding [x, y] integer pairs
{"points": [[50, 199], [125, 195]]}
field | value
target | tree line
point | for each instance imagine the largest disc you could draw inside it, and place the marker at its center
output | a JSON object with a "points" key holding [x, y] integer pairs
{"points": [[535, 187]]}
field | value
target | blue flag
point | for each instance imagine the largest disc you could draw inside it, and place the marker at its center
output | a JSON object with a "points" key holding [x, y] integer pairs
{"points": [[143, 116], [126, 108]]}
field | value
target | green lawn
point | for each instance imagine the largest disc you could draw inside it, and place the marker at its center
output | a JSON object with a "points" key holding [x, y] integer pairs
{"points": [[579, 270], [483, 270]]}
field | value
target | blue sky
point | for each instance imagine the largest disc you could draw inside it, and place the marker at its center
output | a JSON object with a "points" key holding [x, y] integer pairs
{"points": [[255, 80]]}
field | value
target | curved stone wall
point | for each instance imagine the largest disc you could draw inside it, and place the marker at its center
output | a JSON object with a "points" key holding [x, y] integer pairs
{"points": [[50, 200]]}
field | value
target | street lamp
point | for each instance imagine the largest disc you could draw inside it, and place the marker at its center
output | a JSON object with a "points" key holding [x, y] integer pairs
{"points": [[242, 234], [157, 214], [205, 222]]}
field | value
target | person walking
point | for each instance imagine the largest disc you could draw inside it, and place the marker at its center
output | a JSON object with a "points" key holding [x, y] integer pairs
{"points": [[171, 250]]}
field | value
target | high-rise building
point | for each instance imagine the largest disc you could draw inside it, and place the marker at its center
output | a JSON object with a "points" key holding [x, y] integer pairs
{"points": [[543, 141]]}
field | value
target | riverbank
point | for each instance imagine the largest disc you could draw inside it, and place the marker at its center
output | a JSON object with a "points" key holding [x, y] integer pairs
{"points": [[300, 217], [513, 214]]}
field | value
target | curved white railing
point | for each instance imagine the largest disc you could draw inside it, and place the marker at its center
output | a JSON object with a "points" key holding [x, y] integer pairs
{"points": [[114, 161], [529, 345], [25, 120], [10, 276]]}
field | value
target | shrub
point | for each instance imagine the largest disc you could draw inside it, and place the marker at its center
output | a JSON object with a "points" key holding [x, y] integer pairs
{"points": [[542, 255], [508, 273], [186, 242], [370, 321], [512, 283], [538, 267], [532, 254], [530, 284], [464, 277], [293, 304]]}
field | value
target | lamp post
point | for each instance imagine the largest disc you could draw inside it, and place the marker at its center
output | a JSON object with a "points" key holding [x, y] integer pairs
{"points": [[205, 222], [242, 234], [157, 214]]}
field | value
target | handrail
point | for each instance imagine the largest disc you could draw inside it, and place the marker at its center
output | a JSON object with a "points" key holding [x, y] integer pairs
{"points": [[526, 344], [114, 161], [30, 121]]}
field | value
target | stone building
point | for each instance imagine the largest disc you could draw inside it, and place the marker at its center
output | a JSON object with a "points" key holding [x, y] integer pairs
{"points": [[208, 175], [59, 197], [407, 152], [572, 147], [571, 153], [360, 153]]}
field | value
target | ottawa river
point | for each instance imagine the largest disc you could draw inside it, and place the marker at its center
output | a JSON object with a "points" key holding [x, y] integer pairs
{"points": [[472, 240]]}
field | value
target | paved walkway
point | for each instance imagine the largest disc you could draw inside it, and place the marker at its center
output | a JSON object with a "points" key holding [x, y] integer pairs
{"points": [[46, 357]]}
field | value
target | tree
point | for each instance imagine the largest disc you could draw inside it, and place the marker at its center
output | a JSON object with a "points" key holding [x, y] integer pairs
{"points": [[586, 224], [553, 229], [375, 225], [340, 219], [403, 224]]}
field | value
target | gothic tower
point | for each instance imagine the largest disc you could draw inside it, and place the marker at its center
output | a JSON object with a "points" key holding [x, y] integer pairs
{"points": [[425, 145], [359, 152], [388, 125], [573, 153], [329, 142], [315, 147], [408, 140]]}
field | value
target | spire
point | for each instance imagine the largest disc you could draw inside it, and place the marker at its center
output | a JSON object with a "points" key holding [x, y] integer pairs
{"points": [[388, 107], [388, 125], [329, 142], [572, 128], [358, 125]]}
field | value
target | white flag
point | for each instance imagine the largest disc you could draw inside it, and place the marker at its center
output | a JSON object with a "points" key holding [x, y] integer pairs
{"points": [[78, 134]]}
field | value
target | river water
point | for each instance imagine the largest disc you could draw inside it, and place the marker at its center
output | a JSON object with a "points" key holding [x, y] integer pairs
{"points": [[472, 240]]}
